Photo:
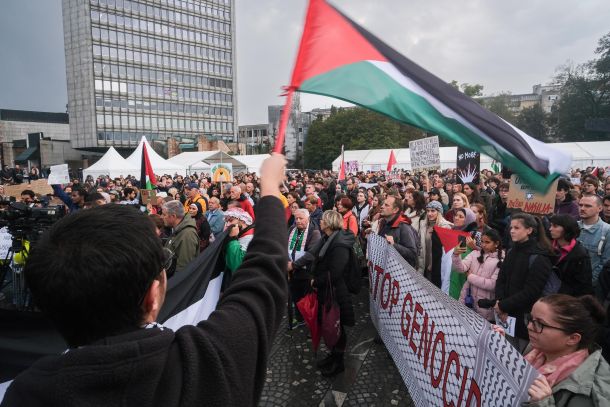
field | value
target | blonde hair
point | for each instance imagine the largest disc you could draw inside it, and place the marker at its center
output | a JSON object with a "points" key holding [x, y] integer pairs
{"points": [[333, 220], [464, 198]]}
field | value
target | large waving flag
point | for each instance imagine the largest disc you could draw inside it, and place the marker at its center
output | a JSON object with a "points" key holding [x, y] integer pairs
{"points": [[338, 58], [449, 239], [147, 176]]}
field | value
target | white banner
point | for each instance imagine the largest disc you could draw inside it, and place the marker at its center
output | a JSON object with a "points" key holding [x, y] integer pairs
{"points": [[446, 353], [425, 154]]}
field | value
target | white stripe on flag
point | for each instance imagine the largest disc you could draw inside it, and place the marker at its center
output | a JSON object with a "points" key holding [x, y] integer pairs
{"points": [[446, 270], [3, 388], [199, 311]]}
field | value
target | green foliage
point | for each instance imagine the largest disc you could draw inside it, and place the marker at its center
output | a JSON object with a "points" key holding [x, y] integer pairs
{"points": [[501, 106], [533, 121], [356, 129]]}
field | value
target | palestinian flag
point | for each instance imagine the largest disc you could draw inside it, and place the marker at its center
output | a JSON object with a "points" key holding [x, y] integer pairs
{"points": [[449, 240], [391, 161], [147, 176], [338, 58]]}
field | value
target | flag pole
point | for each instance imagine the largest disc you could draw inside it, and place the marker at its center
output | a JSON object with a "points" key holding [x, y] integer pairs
{"points": [[279, 141]]}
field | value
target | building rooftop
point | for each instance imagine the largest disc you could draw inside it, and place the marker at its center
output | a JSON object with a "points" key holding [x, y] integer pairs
{"points": [[30, 116]]}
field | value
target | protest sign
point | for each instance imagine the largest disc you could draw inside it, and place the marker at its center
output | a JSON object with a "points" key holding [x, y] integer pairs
{"points": [[468, 165], [351, 166], [446, 353], [522, 196], [222, 172], [59, 175], [425, 154]]}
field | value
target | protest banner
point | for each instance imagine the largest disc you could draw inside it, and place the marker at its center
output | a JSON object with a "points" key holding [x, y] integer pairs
{"points": [[222, 172], [351, 166], [524, 197], [468, 164], [425, 154], [446, 353]]}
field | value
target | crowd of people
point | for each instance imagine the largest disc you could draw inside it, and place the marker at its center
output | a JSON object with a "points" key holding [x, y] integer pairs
{"points": [[551, 273]]}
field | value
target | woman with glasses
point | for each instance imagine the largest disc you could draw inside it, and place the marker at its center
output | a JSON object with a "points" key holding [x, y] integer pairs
{"points": [[562, 331]]}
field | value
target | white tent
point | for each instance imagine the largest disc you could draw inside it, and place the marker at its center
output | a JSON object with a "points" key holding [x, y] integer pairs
{"points": [[584, 154], [203, 160], [252, 162], [159, 164], [112, 164]]}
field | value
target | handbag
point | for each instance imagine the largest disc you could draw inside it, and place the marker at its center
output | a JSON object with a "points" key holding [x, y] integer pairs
{"points": [[331, 318]]}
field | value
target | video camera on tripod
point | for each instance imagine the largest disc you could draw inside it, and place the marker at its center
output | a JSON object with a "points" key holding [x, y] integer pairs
{"points": [[25, 225]]}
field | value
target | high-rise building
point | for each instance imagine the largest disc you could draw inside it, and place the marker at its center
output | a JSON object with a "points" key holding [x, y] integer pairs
{"points": [[154, 68]]}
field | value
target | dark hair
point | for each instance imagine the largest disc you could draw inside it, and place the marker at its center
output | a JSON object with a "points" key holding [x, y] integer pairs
{"points": [[563, 185], [419, 200], [538, 230], [127, 191], [481, 208], [90, 271], [504, 185], [495, 237], [80, 191], [295, 195], [583, 315], [591, 179], [569, 225], [475, 197], [29, 193]]}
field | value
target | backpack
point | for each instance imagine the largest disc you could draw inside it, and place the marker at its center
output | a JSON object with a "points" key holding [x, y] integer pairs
{"points": [[553, 282]]}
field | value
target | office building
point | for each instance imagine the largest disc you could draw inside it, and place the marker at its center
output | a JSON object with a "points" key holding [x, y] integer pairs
{"points": [[156, 68]]}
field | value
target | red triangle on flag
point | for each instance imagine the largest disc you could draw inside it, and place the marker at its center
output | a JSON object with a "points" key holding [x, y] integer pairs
{"points": [[391, 161], [449, 237]]}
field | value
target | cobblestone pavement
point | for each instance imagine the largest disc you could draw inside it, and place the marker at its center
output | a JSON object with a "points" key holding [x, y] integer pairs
{"points": [[370, 377]]}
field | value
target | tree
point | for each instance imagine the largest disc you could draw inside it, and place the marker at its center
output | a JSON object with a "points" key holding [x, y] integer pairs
{"points": [[472, 90], [533, 121], [357, 129], [500, 105]]}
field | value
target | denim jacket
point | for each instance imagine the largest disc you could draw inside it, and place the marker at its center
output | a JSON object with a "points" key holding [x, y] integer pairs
{"points": [[596, 240]]}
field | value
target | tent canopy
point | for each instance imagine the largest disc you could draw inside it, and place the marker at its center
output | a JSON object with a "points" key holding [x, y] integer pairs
{"points": [[159, 164], [584, 154], [252, 162], [202, 160], [112, 164]]}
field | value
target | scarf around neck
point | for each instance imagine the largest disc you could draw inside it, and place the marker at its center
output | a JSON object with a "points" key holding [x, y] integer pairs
{"points": [[297, 240], [560, 368]]}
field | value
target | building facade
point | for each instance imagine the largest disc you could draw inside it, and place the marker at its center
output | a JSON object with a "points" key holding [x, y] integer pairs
{"points": [[255, 137], [154, 68]]}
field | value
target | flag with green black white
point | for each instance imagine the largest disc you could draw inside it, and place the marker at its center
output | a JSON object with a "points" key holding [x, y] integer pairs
{"points": [[339, 58]]}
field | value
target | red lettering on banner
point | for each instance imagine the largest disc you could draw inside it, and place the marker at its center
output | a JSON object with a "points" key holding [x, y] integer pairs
{"points": [[463, 386], [440, 337], [395, 294], [453, 357], [384, 304], [428, 346], [379, 272], [415, 326], [405, 331], [371, 279], [475, 393]]}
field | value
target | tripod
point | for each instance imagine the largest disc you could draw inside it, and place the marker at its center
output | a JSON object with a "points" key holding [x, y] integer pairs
{"points": [[21, 297]]}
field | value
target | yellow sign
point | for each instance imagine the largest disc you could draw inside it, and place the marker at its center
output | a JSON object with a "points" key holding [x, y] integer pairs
{"points": [[222, 172]]}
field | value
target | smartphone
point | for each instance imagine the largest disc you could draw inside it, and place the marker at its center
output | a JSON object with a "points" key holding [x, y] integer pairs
{"points": [[462, 240]]}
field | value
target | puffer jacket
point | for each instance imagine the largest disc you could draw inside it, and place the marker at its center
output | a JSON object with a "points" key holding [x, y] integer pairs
{"points": [[184, 242], [587, 386], [481, 278]]}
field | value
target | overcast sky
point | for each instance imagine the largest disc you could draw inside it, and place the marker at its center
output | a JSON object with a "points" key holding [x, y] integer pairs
{"points": [[505, 46]]}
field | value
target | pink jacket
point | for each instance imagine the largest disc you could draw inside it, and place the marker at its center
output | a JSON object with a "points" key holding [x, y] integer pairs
{"points": [[481, 278]]}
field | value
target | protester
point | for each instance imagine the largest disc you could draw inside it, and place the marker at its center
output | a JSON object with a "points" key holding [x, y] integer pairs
{"points": [[236, 195], [606, 209], [315, 212], [564, 202], [562, 330], [74, 201], [524, 273], [464, 220], [361, 209], [241, 234], [498, 215], [481, 215], [433, 247], [572, 264], [344, 207], [117, 354], [215, 216], [184, 240], [594, 235], [481, 268], [192, 192], [302, 238], [397, 230], [201, 222], [459, 201], [328, 268]]}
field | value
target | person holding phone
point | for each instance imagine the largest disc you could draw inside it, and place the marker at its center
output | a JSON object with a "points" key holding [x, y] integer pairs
{"points": [[466, 221]]}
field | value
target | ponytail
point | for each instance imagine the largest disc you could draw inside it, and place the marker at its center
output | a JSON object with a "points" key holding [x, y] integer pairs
{"points": [[495, 237]]}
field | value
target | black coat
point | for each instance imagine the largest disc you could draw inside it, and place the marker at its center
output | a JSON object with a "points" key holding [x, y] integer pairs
{"points": [[332, 259], [519, 286], [574, 271], [219, 362]]}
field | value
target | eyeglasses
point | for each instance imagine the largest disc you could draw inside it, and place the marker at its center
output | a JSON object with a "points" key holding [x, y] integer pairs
{"points": [[539, 326]]}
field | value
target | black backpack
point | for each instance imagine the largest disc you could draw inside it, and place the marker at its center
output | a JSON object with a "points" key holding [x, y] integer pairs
{"points": [[352, 275]]}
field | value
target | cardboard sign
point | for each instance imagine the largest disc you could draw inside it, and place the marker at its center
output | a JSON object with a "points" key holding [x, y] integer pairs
{"points": [[39, 186], [222, 172], [468, 165], [522, 196], [425, 154]]}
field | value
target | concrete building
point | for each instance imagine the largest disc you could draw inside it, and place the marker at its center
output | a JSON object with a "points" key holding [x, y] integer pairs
{"points": [[160, 69], [544, 95], [255, 137]]}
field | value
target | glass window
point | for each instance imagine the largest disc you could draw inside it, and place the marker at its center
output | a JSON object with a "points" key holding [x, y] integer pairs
{"points": [[121, 54], [123, 87], [112, 36], [114, 69], [139, 121], [132, 121], [104, 35], [95, 16], [113, 52], [108, 120], [95, 31], [112, 19], [147, 122]]}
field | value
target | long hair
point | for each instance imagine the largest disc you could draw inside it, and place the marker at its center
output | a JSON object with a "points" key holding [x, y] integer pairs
{"points": [[495, 237], [538, 231]]}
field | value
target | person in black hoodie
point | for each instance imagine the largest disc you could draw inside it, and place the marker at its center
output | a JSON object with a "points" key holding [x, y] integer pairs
{"points": [[524, 273], [332, 257], [572, 264], [99, 276]]}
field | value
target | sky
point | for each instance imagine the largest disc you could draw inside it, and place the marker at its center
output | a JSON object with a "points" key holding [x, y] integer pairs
{"points": [[504, 46]]}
